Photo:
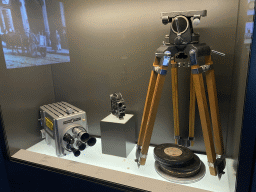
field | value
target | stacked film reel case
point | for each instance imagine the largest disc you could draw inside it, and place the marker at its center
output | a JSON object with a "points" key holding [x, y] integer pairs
{"points": [[177, 163]]}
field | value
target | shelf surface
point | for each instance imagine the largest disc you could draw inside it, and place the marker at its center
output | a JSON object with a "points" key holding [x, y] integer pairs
{"points": [[125, 171]]}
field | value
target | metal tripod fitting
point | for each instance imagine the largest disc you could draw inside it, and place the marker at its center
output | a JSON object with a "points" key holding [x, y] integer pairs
{"points": [[202, 69], [166, 53], [218, 53], [190, 141], [165, 60], [193, 59], [138, 150], [219, 165]]}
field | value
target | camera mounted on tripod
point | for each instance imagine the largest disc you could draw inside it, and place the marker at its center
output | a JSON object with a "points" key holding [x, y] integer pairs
{"points": [[181, 32], [182, 38], [183, 48]]}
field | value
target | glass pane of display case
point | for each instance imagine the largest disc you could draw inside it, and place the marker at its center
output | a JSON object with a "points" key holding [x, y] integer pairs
{"points": [[79, 92]]}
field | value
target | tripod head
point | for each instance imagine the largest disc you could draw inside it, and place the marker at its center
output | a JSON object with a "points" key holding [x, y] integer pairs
{"points": [[181, 32], [182, 39]]}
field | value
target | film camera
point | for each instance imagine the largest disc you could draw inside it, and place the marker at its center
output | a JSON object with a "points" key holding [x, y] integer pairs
{"points": [[181, 32], [65, 128], [117, 105], [182, 38]]}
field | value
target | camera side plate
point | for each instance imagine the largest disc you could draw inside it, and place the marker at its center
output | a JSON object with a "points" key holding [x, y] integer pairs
{"points": [[202, 13]]}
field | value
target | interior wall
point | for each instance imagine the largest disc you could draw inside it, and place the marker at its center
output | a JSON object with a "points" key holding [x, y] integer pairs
{"points": [[112, 45], [22, 92], [239, 78]]}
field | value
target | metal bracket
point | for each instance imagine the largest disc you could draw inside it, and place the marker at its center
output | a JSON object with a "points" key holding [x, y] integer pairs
{"points": [[219, 164], [184, 142], [210, 164], [218, 53], [183, 64], [165, 60], [159, 70], [202, 69], [143, 156], [202, 13], [188, 142], [197, 16], [138, 150], [166, 53], [179, 140], [43, 133], [192, 55], [139, 155], [177, 137]]}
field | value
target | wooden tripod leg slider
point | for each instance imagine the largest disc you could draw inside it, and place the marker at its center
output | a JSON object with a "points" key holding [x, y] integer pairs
{"points": [[148, 103], [213, 101], [192, 108], [145, 116], [205, 119], [152, 115], [175, 101]]}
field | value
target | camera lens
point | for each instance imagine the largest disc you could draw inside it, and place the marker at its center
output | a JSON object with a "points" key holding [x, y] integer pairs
{"points": [[75, 151], [91, 141], [81, 134], [81, 146], [68, 138], [84, 136]]}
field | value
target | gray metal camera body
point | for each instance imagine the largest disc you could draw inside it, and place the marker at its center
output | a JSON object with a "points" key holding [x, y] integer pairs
{"points": [[118, 106], [64, 127]]}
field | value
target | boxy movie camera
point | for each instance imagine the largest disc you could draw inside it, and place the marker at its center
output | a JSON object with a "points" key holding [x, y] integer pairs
{"points": [[65, 128]]}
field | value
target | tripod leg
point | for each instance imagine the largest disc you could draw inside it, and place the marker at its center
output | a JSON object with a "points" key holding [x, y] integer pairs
{"points": [[148, 102], [213, 101], [205, 119], [152, 116], [192, 108], [175, 101]]}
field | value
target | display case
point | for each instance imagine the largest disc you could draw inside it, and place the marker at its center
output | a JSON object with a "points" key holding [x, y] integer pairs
{"points": [[60, 62]]}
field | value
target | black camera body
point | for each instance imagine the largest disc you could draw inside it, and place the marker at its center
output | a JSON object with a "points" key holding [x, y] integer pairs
{"points": [[182, 37], [181, 32]]}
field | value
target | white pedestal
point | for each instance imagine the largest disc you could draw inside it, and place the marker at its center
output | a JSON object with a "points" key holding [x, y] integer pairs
{"points": [[118, 136]]}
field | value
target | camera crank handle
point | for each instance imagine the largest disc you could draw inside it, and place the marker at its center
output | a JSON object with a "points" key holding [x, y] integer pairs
{"points": [[218, 53], [177, 25]]}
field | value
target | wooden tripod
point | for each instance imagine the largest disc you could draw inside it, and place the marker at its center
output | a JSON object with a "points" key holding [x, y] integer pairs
{"points": [[197, 92]]}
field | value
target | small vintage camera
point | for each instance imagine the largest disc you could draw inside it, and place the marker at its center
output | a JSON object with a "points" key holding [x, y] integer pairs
{"points": [[65, 128], [117, 105]]}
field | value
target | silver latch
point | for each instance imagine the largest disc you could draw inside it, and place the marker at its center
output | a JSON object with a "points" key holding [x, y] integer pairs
{"points": [[69, 110], [43, 133]]}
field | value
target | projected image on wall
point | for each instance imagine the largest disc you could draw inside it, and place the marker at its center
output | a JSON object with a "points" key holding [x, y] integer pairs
{"points": [[33, 32]]}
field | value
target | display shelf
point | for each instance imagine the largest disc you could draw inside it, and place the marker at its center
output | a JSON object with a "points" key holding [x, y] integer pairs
{"points": [[124, 171]]}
